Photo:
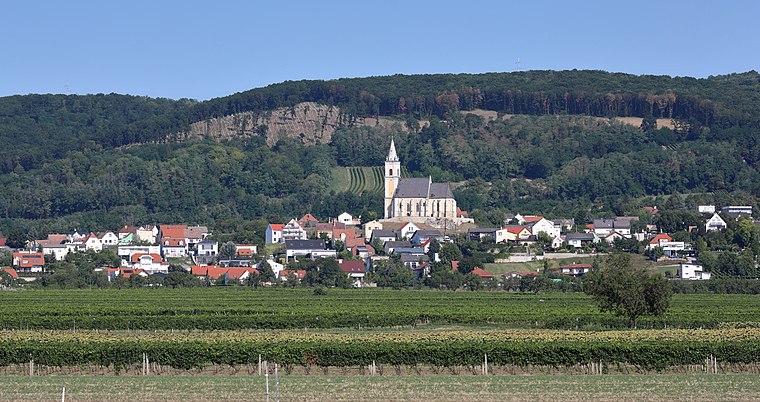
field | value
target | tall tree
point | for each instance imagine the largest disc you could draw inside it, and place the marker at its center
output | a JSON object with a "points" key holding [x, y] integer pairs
{"points": [[628, 291]]}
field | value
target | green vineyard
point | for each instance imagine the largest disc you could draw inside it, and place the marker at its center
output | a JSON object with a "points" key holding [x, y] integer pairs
{"points": [[357, 180], [264, 309], [648, 349]]}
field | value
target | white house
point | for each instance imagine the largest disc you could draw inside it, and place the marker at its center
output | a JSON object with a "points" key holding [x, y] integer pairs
{"points": [[692, 272], [371, 226], [538, 224], [736, 210], [93, 243], [108, 238], [173, 248], [207, 248], [310, 248], [278, 233], [60, 251], [715, 223], [706, 209], [408, 230], [125, 252], [151, 263], [346, 219], [274, 233], [577, 240]]}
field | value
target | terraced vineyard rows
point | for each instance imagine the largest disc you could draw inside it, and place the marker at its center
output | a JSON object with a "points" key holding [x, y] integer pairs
{"points": [[243, 308], [361, 179]]}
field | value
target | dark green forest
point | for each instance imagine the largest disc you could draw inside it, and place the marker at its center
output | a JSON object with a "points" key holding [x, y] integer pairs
{"points": [[102, 161]]}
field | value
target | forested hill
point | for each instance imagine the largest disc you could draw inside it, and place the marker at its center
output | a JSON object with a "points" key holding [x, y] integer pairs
{"points": [[723, 101], [101, 161], [38, 128]]}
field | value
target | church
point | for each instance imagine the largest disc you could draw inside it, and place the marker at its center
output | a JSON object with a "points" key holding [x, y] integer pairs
{"points": [[415, 197]]}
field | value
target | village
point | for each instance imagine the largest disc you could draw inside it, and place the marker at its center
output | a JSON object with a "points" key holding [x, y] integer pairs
{"points": [[419, 217], [358, 248]]}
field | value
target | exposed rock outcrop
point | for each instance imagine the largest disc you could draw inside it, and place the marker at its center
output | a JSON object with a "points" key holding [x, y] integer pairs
{"points": [[310, 122]]}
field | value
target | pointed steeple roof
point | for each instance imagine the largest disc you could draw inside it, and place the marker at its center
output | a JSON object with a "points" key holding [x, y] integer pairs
{"points": [[392, 157]]}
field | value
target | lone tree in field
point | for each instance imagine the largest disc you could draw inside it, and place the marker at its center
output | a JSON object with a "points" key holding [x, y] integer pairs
{"points": [[628, 291]]}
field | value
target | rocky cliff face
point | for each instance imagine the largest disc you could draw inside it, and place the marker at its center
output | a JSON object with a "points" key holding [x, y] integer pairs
{"points": [[310, 122]]}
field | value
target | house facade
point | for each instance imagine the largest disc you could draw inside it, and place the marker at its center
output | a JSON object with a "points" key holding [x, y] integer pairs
{"points": [[715, 223], [693, 272]]}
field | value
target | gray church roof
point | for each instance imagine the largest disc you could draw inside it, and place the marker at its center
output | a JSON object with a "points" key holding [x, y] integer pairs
{"points": [[422, 188]]}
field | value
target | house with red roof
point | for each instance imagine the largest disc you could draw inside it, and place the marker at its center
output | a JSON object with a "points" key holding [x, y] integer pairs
{"points": [[483, 274], [513, 233], [246, 250], [278, 233], [173, 247], [126, 273], [150, 263], [228, 274], [658, 240], [92, 242], [355, 269], [298, 274], [3, 242], [12, 272], [27, 261]]}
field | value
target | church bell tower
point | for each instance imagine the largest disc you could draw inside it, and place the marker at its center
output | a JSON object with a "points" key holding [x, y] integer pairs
{"points": [[392, 175]]}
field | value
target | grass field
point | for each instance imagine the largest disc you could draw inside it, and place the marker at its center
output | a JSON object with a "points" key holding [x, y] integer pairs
{"points": [[505, 268], [696, 387]]}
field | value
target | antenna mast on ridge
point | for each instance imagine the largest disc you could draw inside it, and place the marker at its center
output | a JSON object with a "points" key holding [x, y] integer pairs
{"points": [[517, 64]]}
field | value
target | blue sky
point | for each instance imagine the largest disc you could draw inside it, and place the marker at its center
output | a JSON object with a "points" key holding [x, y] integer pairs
{"points": [[202, 50]]}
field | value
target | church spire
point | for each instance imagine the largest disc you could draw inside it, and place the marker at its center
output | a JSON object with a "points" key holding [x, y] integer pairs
{"points": [[392, 153]]}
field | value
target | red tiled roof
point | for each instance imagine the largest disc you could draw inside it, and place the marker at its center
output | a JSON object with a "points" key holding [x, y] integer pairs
{"points": [[244, 252], [308, 218], [28, 260], [11, 272], [517, 230], [3, 241], [136, 257], [299, 273], [660, 237], [370, 250], [481, 273], [214, 272], [531, 219], [461, 213], [172, 242], [353, 242], [128, 272], [175, 231], [455, 265], [276, 226], [352, 266]]}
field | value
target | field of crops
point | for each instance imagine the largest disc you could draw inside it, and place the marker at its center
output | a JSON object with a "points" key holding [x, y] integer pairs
{"points": [[247, 308], [360, 179], [666, 387], [644, 349]]}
